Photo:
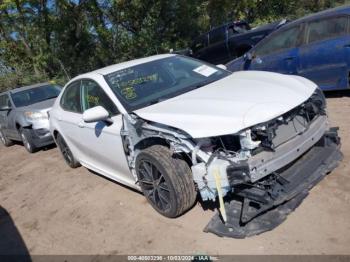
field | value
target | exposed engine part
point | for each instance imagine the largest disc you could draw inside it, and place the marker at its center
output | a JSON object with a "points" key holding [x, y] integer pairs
{"points": [[279, 130], [246, 140], [204, 177]]}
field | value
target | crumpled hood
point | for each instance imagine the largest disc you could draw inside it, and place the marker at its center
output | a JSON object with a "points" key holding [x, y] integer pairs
{"points": [[241, 100]]}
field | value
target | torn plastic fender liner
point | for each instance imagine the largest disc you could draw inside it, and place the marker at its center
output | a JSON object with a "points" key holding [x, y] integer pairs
{"points": [[301, 176]]}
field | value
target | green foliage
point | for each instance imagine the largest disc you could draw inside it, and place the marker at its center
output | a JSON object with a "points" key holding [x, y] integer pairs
{"points": [[58, 39]]}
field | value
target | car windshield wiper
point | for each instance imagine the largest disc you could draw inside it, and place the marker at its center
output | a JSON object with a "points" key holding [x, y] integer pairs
{"points": [[204, 83]]}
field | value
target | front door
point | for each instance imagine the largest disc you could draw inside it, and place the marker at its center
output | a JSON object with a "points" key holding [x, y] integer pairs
{"points": [[278, 53], [103, 148]]}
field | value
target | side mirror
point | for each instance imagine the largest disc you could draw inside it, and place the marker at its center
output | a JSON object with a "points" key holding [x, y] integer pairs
{"points": [[5, 108], [222, 66], [96, 114]]}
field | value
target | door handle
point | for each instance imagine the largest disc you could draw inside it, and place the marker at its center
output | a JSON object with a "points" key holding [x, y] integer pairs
{"points": [[289, 58], [81, 124]]}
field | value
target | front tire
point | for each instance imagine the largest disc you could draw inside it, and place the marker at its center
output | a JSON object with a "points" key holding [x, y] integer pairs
{"points": [[166, 181], [27, 140], [66, 152], [4, 140]]}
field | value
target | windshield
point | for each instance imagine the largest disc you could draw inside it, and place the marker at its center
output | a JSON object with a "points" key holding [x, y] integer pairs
{"points": [[35, 95], [155, 81]]}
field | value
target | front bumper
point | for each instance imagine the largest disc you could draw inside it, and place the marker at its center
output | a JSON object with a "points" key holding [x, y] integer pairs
{"points": [[253, 211], [41, 137]]}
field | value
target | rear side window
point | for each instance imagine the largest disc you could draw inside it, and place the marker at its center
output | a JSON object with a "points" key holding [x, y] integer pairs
{"points": [[94, 95], [4, 101], [328, 28], [70, 100], [281, 40]]}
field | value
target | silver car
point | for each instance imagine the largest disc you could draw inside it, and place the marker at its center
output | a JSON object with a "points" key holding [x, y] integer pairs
{"points": [[24, 115]]}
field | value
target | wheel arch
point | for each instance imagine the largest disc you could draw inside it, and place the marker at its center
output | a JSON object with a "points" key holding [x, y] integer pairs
{"points": [[161, 141], [20, 123], [55, 133], [151, 141]]}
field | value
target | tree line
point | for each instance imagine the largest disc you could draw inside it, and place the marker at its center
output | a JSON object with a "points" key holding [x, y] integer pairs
{"points": [[43, 40]]}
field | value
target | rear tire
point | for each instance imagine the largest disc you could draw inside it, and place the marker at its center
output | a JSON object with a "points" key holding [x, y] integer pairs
{"points": [[5, 141], [27, 140], [66, 152], [166, 181]]}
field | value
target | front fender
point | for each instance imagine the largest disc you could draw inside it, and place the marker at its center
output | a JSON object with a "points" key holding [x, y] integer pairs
{"points": [[21, 120]]}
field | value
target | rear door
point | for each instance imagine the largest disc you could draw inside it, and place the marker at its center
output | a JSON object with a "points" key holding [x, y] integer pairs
{"points": [[324, 58], [69, 116], [279, 52]]}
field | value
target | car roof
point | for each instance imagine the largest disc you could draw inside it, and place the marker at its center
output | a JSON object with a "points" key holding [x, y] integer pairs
{"points": [[337, 10], [22, 88], [19, 89], [218, 28], [112, 68]]}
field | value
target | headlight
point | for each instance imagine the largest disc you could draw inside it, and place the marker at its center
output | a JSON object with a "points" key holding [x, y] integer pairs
{"points": [[36, 115]]}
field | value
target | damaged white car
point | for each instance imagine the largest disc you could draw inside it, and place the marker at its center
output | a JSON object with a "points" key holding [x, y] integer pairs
{"points": [[254, 143]]}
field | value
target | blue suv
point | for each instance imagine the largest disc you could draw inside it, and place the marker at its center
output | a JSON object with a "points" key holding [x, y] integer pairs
{"points": [[316, 47]]}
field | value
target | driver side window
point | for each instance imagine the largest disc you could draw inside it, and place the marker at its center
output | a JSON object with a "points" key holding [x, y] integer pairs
{"points": [[70, 100], [93, 95], [284, 40]]}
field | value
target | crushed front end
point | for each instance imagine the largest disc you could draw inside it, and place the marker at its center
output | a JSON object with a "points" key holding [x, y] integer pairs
{"points": [[263, 173], [257, 176]]}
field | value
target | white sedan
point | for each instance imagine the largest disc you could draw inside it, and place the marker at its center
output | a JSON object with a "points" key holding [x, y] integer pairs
{"points": [[175, 127]]}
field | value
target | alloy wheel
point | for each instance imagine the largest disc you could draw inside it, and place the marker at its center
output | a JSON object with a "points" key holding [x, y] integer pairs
{"points": [[154, 185], [2, 138], [67, 154]]}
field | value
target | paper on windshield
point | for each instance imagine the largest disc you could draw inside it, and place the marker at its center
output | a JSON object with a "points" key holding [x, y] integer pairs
{"points": [[205, 70]]}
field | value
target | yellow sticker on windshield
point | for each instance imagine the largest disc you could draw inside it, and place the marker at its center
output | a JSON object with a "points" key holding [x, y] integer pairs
{"points": [[129, 92], [138, 81]]}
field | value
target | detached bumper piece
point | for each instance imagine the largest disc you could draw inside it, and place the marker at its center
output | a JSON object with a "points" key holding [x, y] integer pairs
{"points": [[262, 206]]}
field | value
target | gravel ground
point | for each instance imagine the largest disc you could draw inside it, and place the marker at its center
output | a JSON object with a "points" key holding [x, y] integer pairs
{"points": [[58, 210]]}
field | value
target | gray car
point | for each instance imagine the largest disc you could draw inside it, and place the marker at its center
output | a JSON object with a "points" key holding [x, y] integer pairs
{"points": [[24, 115]]}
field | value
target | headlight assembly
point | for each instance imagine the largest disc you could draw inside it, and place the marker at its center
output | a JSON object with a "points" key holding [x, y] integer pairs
{"points": [[36, 115]]}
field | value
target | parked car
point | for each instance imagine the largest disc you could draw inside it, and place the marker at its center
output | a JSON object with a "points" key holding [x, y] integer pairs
{"points": [[24, 117], [231, 40], [173, 126], [316, 47]]}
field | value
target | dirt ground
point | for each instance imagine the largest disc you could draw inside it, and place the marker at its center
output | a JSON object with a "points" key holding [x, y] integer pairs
{"points": [[58, 210]]}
